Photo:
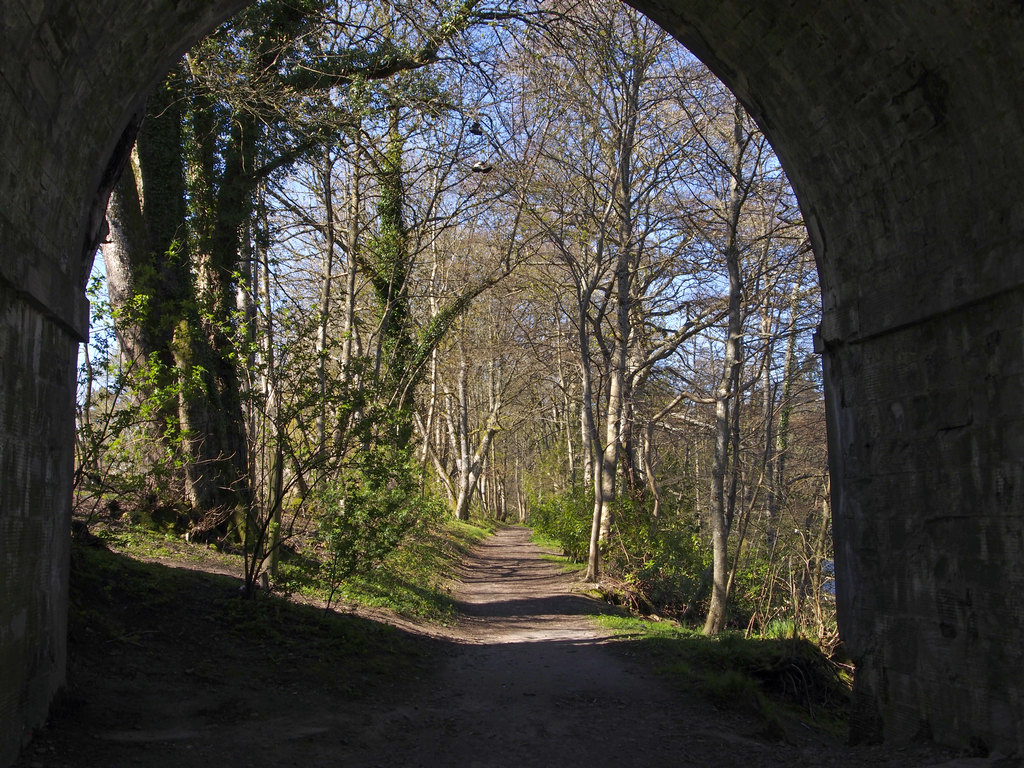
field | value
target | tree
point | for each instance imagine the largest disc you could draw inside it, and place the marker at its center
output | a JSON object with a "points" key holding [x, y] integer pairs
{"points": [[559, 269], [235, 112], [601, 210]]}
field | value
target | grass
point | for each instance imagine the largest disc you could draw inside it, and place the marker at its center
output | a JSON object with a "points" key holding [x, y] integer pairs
{"points": [[568, 566], [144, 622], [778, 680], [546, 542], [105, 581], [414, 580], [149, 607]]}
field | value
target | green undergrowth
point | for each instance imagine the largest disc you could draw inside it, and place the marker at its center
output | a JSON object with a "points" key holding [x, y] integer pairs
{"points": [[546, 542], [414, 580], [567, 565], [780, 681], [144, 542]]}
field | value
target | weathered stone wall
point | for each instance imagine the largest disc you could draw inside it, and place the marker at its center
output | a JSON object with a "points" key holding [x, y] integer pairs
{"points": [[72, 75], [900, 126], [37, 384]]}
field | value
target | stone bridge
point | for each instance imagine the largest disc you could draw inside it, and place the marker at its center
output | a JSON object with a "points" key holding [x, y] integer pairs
{"points": [[901, 125]]}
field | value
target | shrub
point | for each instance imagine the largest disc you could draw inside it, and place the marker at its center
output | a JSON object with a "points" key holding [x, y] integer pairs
{"points": [[566, 518], [366, 515], [663, 558]]}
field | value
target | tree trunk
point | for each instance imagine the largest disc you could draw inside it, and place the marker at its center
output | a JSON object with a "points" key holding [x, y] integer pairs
{"points": [[325, 174], [726, 392]]}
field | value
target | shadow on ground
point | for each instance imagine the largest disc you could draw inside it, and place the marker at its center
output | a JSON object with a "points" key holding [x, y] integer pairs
{"points": [[170, 667]]}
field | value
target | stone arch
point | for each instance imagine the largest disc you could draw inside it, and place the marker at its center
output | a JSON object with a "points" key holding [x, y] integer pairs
{"points": [[901, 128]]}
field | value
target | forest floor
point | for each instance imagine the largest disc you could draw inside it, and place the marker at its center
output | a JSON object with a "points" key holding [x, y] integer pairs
{"points": [[173, 669]]}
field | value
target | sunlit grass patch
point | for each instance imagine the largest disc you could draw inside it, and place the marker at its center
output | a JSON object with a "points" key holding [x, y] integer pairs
{"points": [[544, 541], [413, 580], [567, 565]]}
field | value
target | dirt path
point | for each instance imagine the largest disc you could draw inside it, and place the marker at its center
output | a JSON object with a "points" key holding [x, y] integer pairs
{"points": [[532, 681], [525, 679]]}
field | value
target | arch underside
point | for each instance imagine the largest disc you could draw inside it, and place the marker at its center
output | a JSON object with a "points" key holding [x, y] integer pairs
{"points": [[900, 126]]}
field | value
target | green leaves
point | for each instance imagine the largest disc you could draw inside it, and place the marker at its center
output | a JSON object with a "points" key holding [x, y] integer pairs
{"points": [[566, 519], [367, 513]]}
